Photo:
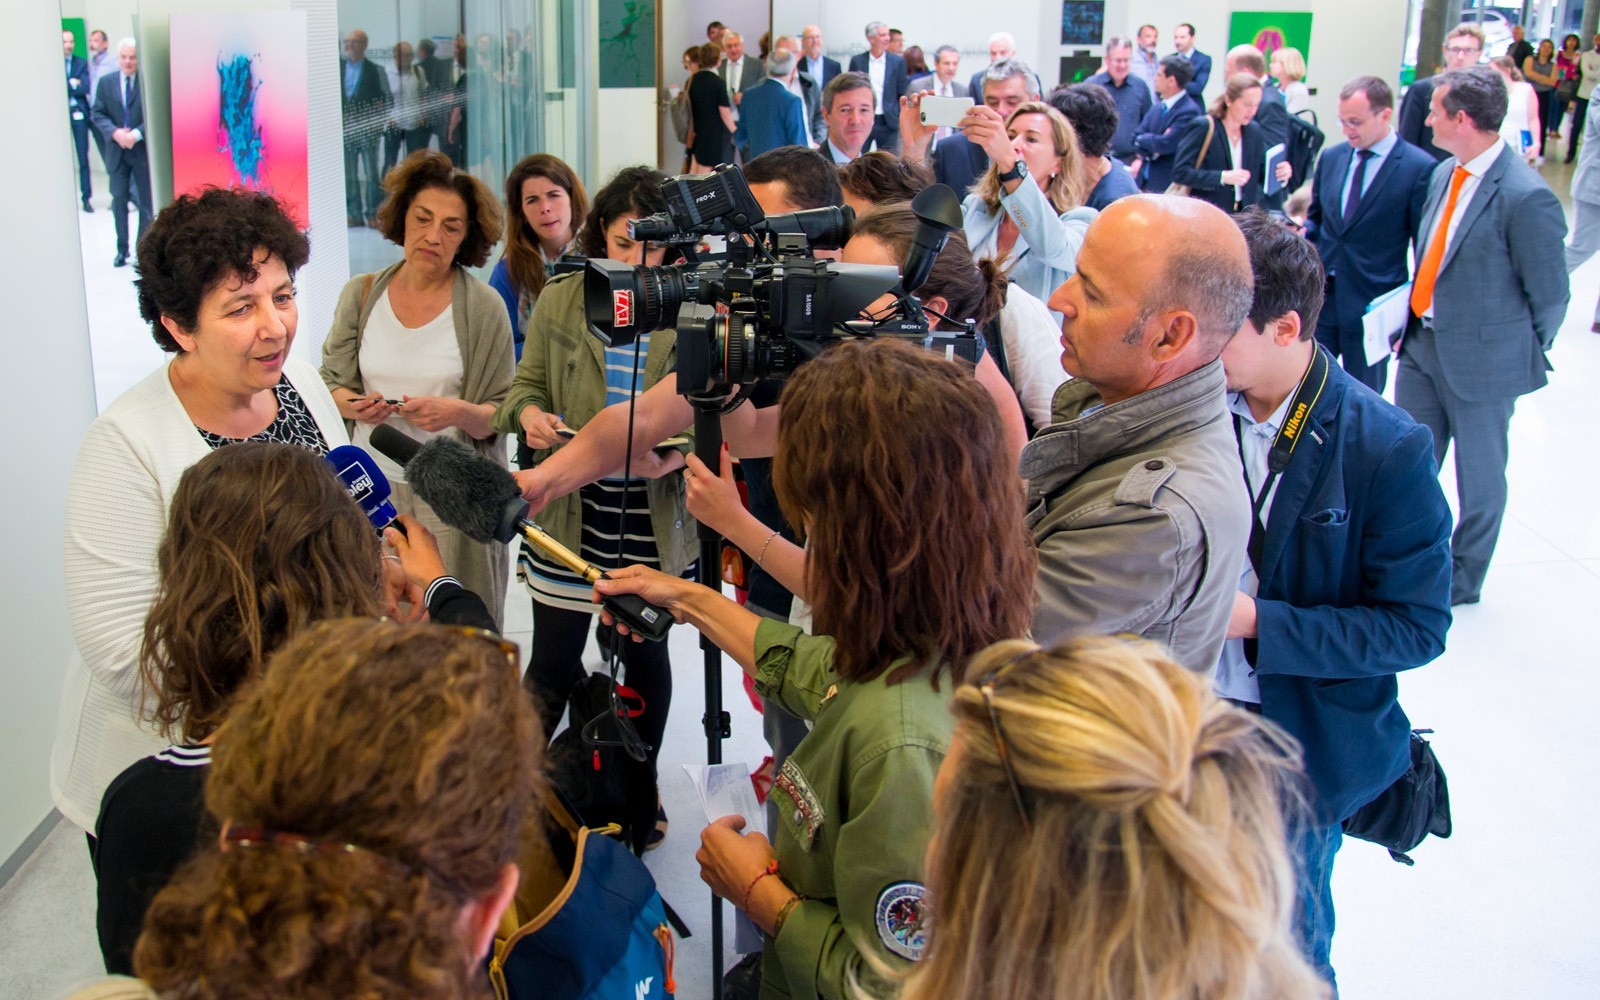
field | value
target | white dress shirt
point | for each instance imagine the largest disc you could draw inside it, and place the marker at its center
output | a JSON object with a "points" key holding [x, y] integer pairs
{"points": [[735, 81], [876, 67], [1236, 678], [1476, 168]]}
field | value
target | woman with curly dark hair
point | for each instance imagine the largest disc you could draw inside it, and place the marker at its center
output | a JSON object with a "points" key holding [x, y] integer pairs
{"points": [[263, 541], [424, 346], [896, 463], [373, 790], [216, 284]]}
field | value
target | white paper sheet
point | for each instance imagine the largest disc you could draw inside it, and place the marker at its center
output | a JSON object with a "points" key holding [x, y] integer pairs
{"points": [[1384, 321], [725, 790]]}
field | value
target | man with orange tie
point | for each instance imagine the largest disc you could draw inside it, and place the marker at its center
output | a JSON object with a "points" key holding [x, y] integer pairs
{"points": [[1489, 294]]}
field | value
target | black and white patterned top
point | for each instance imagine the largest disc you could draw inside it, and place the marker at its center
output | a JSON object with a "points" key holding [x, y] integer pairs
{"points": [[293, 424]]}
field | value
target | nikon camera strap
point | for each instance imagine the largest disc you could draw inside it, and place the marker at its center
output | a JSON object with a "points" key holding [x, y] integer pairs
{"points": [[1305, 398]]}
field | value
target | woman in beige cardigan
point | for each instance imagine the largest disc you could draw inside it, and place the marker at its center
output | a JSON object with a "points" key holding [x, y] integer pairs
{"points": [[425, 347]]}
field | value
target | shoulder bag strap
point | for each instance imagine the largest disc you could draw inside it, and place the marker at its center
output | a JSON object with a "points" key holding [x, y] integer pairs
{"points": [[1205, 147]]}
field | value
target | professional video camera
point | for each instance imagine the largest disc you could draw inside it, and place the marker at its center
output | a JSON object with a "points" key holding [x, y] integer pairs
{"points": [[780, 306]]}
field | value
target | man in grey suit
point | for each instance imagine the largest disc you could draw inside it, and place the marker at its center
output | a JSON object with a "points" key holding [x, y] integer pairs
{"points": [[1489, 294], [738, 73], [942, 81]]}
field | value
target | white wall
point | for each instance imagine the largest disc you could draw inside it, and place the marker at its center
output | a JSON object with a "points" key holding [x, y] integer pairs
{"points": [[1349, 38], [48, 401]]}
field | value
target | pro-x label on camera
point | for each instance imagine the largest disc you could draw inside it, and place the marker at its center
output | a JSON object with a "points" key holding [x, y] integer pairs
{"points": [[621, 308]]}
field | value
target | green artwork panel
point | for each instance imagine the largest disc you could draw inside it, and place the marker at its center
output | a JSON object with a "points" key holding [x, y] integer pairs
{"points": [[80, 35], [1270, 31], [627, 43]]}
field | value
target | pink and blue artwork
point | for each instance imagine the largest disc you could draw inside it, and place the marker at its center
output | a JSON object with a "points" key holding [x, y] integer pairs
{"points": [[239, 104]]}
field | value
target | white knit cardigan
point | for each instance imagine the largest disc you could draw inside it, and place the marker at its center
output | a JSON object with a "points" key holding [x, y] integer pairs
{"points": [[122, 484]]}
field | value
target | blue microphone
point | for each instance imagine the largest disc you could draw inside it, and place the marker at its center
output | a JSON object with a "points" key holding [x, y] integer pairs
{"points": [[365, 482]]}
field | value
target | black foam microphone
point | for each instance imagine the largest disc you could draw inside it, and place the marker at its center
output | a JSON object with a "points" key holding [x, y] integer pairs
{"points": [[480, 499]]}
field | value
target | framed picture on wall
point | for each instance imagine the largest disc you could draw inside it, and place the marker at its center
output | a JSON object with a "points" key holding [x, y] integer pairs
{"points": [[239, 104], [1270, 31], [1078, 68], [1083, 22]]}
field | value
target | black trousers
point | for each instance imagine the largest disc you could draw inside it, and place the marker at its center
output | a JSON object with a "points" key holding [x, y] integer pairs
{"points": [[555, 666], [1580, 114], [131, 178], [80, 140], [1347, 346]]}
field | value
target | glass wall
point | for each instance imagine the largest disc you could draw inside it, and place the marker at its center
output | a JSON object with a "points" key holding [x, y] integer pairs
{"points": [[486, 82]]}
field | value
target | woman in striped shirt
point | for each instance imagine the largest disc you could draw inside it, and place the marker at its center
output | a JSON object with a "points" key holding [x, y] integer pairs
{"points": [[565, 377]]}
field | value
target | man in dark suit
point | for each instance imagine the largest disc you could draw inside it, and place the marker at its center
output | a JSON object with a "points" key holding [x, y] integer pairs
{"points": [[118, 113], [1463, 47], [1273, 114], [957, 161], [738, 74], [365, 100], [1156, 138], [1366, 204], [1489, 294], [1183, 38], [1347, 578], [77, 70], [848, 110], [773, 116], [438, 71], [812, 62], [887, 72]]}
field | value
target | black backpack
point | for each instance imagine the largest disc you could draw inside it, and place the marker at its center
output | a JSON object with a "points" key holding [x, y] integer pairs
{"points": [[603, 784], [1305, 142]]}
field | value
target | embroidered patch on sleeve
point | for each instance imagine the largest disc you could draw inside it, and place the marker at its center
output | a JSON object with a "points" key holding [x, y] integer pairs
{"points": [[901, 919]]}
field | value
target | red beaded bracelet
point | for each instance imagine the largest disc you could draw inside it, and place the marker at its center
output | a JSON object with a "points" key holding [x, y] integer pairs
{"points": [[771, 869]]}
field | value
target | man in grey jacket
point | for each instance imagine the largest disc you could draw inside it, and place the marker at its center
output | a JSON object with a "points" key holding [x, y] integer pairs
{"points": [[1136, 493]]}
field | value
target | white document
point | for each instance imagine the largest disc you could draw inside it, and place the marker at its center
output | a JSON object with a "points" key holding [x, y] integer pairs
{"points": [[725, 790], [1385, 320]]}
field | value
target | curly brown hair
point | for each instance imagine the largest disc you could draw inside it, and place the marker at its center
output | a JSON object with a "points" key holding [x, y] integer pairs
{"points": [[523, 257], [262, 541], [895, 462], [426, 169], [414, 743], [202, 240]]}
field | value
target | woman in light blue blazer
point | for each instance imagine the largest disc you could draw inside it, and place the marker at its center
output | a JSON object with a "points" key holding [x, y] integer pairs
{"points": [[1026, 211]]}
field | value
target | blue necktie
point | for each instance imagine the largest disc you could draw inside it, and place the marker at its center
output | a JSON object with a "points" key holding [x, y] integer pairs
{"points": [[127, 102], [1352, 201]]}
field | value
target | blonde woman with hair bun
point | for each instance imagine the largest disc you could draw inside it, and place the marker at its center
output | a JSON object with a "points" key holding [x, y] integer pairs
{"points": [[1108, 829]]}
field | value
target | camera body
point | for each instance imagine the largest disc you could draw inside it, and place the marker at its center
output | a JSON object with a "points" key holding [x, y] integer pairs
{"points": [[770, 304]]}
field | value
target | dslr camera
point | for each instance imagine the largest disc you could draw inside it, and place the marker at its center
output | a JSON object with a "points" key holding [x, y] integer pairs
{"points": [[767, 305]]}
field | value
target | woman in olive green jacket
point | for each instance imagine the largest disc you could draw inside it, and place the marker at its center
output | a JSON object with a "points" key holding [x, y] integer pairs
{"points": [[917, 558], [565, 377]]}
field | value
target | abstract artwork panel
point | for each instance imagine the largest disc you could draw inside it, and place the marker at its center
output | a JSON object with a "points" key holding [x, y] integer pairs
{"points": [[239, 104], [1083, 22], [1270, 31]]}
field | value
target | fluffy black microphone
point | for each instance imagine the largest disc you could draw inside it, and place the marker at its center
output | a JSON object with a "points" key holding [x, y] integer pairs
{"points": [[481, 500]]}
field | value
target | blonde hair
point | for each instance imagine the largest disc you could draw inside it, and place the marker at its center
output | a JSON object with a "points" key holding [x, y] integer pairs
{"points": [[1156, 866], [1468, 28], [1238, 83], [1510, 66], [1066, 190], [1293, 63]]}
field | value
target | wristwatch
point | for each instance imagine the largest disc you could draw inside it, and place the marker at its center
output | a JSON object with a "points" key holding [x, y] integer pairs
{"points": [[1016, 173]]}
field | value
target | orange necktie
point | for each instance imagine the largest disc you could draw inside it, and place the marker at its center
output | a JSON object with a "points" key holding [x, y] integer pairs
{"points": [[1428, 273]]}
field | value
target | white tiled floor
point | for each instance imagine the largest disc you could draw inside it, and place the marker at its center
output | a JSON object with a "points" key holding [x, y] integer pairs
{"points": [[1504, 909]]}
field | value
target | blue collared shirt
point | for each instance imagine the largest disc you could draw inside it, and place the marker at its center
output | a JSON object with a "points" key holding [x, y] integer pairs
{"points": [[352, 78], [1236, 678], [1380, 149]]}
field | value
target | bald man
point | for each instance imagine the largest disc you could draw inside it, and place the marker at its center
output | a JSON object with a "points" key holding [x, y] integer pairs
{"points": [[1136, 495]]}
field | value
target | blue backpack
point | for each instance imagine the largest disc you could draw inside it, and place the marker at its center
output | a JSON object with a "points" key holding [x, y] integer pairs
{"points": [[587, 922]]}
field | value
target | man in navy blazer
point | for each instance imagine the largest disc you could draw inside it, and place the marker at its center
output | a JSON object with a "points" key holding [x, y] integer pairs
{"points": [[1366, 204], [1183, 38], [887, 72], [77, 70], [1491, 245], [1347, 580], [812, 62], [1156, 138], [118, 113]]}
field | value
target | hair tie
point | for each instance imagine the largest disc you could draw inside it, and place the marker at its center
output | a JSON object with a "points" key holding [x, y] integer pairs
{"points": [[254, 836]]}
